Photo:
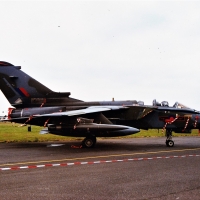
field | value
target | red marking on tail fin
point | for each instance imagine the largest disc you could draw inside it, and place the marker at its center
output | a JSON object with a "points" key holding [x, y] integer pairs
{"points": [[24, 92]]}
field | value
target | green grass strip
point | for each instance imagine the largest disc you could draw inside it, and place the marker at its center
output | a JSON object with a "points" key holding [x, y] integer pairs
{"points": [[12, 132]]}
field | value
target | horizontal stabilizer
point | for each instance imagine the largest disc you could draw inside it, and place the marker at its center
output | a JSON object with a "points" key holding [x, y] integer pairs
{"points": [[58, 94]]}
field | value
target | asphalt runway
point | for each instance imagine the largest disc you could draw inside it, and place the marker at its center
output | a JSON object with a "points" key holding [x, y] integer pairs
{"points": [[142, 168]]}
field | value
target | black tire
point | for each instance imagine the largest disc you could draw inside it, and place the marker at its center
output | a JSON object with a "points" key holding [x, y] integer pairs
{"points": [[170, 143], [89, 142]]}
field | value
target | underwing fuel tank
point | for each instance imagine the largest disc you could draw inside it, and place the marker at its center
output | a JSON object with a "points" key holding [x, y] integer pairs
{"points": [[99, 130]]}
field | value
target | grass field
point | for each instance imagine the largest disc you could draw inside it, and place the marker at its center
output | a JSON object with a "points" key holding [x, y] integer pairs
{"points": [[11, 132]]}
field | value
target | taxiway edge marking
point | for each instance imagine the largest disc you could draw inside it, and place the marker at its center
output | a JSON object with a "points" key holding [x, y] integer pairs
{"points": [[95, 157], [93, 162]]}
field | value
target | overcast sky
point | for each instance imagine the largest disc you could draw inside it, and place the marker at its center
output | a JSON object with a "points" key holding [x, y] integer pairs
{"points": [[97, 50]]}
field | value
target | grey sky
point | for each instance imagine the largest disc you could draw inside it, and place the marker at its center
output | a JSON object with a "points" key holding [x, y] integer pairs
{"points": [[102, 49]]}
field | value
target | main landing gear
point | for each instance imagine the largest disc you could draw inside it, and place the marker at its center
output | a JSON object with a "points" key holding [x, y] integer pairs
{"points": [[89, 141], [169, 141]]}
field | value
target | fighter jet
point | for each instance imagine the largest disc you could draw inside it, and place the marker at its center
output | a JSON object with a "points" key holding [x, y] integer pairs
{"points": [[35, 104]]}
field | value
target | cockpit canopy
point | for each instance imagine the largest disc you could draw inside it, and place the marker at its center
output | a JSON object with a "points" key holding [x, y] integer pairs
{"points": [[179, 105], [166, 104]]}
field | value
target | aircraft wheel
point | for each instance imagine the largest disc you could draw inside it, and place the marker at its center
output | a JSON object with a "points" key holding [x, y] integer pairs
{"points": [[89, 142], [170, 143]]}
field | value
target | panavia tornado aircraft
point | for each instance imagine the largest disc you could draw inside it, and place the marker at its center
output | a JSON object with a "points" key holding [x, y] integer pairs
{"points": [[35, 104]]}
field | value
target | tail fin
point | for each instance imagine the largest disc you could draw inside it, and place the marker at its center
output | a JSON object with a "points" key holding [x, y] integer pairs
{"points": [[21, 90]]}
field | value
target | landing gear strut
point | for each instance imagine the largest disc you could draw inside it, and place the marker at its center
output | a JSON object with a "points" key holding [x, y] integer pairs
{"points": [[169, 141], [89, 141]]}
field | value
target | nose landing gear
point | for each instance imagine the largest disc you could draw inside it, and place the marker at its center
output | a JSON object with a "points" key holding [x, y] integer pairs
{"points": [[169, 141]]}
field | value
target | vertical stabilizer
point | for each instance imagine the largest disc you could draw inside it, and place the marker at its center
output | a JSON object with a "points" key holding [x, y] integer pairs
{"points": [[19, 88]]}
